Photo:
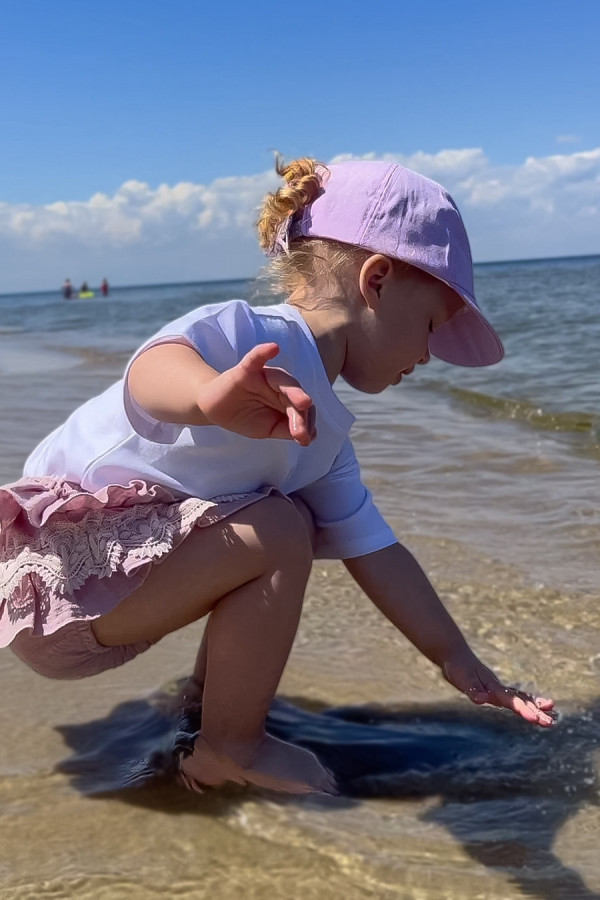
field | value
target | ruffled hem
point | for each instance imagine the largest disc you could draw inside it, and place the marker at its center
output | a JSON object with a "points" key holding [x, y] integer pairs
{"points": [[67, 554], [36, 500]]}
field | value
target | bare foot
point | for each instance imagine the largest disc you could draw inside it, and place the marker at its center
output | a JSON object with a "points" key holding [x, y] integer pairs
{"points": [[275, 765]]}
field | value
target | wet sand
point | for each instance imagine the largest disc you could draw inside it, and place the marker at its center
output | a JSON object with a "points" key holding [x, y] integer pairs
{"points": [[537, 835]]}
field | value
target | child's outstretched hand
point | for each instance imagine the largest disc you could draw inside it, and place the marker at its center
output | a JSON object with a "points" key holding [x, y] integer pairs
{"points": [[480, 685], [260, 401]]}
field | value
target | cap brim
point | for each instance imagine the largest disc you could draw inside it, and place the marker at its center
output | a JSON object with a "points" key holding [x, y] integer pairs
{"points": [[467, 339]]}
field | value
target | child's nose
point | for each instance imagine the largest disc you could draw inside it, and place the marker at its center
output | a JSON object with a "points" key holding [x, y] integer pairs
{"points": [[425, 358]]}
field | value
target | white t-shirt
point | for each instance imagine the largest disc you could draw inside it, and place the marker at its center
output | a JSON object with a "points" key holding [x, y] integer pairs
{"points": [[111, 440]]}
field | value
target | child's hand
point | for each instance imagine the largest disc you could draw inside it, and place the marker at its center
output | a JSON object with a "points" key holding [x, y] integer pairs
{"points": [[260, 401], [480, 685]]}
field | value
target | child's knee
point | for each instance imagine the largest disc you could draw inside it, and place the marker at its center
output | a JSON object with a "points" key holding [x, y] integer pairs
{"points": [[283, 531]]}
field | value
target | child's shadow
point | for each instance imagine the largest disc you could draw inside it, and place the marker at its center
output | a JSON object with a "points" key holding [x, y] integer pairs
{"points": [[506, 789]]}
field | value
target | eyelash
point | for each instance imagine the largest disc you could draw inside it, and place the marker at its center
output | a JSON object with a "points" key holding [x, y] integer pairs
{"points": [[431, 326]]}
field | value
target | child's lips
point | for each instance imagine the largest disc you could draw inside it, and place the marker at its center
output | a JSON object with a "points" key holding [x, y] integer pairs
{"points": [[402, 373]]}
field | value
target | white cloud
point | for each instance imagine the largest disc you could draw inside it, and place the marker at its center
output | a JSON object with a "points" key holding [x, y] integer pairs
{"points": [[545, 206], [568, 139]]}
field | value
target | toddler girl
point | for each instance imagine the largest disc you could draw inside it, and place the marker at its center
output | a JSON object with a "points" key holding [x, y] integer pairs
{"points": [[208, 479]]}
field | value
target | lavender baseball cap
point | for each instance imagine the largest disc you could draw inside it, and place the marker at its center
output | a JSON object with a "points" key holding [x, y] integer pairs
{"points": [[388, 209]]}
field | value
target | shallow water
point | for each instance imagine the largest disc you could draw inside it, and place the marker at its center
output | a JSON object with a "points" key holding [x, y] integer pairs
{"points": [[492, 478]]}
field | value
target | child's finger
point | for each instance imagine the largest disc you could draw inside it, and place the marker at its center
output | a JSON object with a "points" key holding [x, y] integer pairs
{"points": [[528, 710], [296, 425], [299, 426], [256, 358], [295, 396], [287, 386], [533, 709], [298, 405]]}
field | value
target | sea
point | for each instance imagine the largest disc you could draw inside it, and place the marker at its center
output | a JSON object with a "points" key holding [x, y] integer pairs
{"points": [[492, 478]]}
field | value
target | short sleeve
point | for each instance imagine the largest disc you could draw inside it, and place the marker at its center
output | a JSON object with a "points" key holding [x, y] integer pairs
{"points": [[220, 333], [348, 522]]}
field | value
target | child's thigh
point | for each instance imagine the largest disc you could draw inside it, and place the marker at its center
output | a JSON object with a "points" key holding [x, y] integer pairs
{"points": [[212, 561]]}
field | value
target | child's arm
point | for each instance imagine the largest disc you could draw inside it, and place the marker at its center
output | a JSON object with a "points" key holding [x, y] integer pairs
{"points": [[173, 383], [397, 585]]}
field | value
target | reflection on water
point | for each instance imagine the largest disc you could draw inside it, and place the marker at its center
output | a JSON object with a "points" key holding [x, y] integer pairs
{"points": [[505, 789]]}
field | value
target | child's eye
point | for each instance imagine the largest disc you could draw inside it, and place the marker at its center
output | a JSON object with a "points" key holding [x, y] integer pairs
{"points": [[431, 325]]}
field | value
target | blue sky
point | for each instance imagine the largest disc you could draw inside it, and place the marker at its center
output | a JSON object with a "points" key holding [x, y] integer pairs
{"points": [[164, 93]]}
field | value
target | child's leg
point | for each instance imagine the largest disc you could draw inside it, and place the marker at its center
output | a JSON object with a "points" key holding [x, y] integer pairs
{"points": [[190, 693], [192, 690], [248, 643], [251, 571]]}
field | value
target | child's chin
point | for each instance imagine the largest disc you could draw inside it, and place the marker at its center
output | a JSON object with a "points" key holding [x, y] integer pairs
{"points": [[365, 387]]}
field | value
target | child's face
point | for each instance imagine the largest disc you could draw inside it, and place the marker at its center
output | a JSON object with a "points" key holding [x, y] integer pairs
{"points": [[391, 335]]}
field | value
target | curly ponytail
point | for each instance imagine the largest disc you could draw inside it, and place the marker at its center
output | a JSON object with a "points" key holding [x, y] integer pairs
{"points": [[302, 187], [307, 260]]}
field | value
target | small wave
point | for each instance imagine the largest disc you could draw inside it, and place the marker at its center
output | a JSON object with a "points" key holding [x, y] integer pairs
{"points": [[533, 415], [23, 361], [96, 356]]}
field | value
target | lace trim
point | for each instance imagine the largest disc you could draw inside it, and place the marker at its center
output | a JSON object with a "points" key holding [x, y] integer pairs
{"points": [[62, 555]]}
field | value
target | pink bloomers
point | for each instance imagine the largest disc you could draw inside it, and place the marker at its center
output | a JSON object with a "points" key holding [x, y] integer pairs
{"points": [[68, 556]]}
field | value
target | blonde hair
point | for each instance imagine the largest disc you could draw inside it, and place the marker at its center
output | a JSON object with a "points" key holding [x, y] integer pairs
{"points": [[308, 259]]}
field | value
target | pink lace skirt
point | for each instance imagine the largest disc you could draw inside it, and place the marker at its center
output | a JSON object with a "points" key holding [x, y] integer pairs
{"points": [[67, 555]]}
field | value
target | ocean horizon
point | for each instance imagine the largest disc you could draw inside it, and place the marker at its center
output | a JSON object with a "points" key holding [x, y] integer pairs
{"points": [[157, 284]]}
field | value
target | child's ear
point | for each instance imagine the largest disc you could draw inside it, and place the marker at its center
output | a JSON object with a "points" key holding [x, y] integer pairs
{"points": [[375, 271], [375, 282]]}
